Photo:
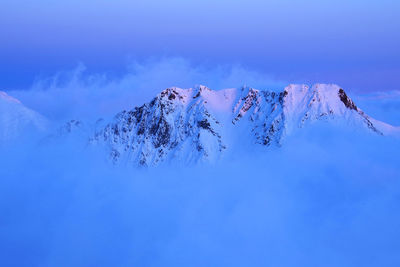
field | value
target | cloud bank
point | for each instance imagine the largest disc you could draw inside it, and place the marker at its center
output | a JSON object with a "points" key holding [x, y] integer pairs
{"points": [[81, 94], [327, 198]]}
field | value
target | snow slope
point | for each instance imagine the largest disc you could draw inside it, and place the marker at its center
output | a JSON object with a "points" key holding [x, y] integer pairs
{"points": [[16, 119]]}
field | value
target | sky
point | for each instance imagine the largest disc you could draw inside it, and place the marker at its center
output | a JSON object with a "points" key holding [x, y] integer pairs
{"points": [[351, 43]]}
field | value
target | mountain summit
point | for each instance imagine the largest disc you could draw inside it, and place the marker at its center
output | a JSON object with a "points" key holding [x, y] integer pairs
{"points": [[16, 119], [200, 124]]}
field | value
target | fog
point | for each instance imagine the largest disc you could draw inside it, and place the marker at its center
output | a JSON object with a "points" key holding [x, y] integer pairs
{"points": [[328, 197]]}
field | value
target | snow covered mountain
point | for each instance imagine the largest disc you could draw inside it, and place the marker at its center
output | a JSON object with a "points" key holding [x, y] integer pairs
{"points": [[16, 119], [199, 124]]}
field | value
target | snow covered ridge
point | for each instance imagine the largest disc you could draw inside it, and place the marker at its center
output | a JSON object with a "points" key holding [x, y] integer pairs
{"points": [[199, 124], [16, 119]]}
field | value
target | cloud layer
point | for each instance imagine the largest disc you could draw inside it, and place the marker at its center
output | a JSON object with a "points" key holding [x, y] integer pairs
{"points": [[324, 199], [79, 94]]}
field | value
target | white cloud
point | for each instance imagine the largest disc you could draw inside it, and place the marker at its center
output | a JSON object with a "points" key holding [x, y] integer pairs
{"points": [[324, 199], [80, 94]]}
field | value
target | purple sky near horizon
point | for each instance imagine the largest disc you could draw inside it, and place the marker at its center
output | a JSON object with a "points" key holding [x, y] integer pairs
{"points": [[352, 43]]}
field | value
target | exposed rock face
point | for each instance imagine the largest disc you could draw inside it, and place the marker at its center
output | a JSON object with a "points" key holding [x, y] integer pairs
{"points": [[193, 125], [264, 110], [346, 100], [173, 124]]}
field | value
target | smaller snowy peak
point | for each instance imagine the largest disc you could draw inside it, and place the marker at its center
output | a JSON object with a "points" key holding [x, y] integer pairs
{"points": [[4, 96], [328, 95], [176, 94], [301, 95], [202, 88], [304, 104], [16, 120], [217, 101]]}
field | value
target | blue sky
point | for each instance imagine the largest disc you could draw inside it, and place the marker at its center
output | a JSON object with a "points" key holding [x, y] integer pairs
{"points": [[352, 43]]}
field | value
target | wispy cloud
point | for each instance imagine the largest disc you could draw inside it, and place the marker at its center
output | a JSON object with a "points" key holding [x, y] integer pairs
{"points": [[81, 94]]}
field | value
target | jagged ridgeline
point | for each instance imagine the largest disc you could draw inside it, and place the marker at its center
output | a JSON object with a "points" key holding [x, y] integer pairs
{"points": [[200, 124]]}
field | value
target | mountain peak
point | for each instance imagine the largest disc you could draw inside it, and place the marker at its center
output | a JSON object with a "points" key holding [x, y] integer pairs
{"points": [[202, 88], [15, 119], [199, 124], [8, 98]]}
